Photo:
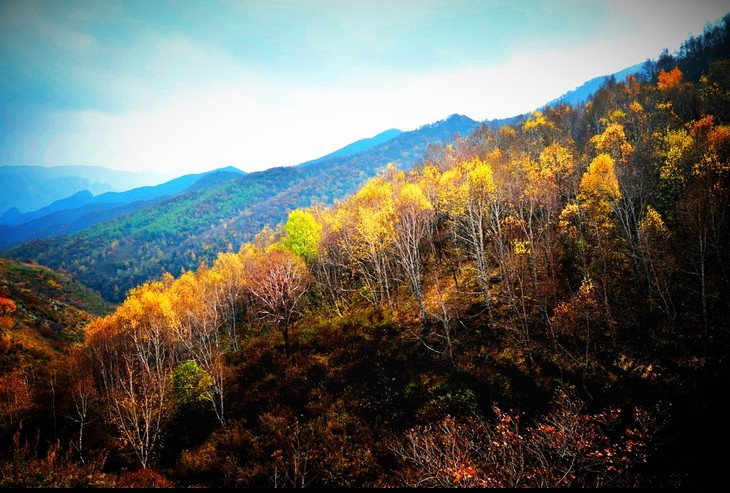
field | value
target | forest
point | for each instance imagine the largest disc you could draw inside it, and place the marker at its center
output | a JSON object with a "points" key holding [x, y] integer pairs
{"points": [[542, 304]]}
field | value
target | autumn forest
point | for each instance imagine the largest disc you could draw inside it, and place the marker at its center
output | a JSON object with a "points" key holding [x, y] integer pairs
{"points": [[542, 303]]}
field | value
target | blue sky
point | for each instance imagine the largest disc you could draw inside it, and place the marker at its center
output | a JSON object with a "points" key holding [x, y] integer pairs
{"points": [[192, 85]]}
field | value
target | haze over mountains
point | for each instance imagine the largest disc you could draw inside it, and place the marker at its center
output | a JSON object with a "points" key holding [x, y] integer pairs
{"points": [[28, 188], [32, 188], [83, 209]]}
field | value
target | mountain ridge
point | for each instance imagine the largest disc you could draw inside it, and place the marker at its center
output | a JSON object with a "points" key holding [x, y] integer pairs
{"points": [[178, 232], [358, 146], [582, 93], [84, 209], [29, 188]]}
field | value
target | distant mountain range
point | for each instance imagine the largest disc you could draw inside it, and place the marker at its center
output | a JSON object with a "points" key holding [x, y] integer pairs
{"points": [[28, 188], [114, 241], [82, 209]]}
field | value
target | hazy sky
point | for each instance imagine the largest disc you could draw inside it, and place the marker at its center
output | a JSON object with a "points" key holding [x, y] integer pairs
{"points": [[193, 85]]}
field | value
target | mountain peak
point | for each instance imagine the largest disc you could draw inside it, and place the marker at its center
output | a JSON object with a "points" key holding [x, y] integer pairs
{"points": [[229, 169], [451, 120]]}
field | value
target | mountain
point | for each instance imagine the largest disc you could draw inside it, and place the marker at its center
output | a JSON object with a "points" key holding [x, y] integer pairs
{"points": [[220, 211], [180, 231], [359, 146], [13, 217], [28, 188], [585, 91], [83, 209]]}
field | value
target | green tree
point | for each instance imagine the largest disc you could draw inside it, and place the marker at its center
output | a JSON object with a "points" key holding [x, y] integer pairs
{"points": [[302, 234], [191, 384]]}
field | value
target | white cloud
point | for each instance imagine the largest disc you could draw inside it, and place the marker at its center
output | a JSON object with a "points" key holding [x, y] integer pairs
{"points": [[185, 104]]}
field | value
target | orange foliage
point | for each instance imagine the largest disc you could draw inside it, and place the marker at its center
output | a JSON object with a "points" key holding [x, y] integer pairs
{"points": [[16, 398], [669, 79], [7, 306]]}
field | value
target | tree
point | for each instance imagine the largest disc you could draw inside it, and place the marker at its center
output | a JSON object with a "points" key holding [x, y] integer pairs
{"points": [[696, 171], [191, 384], [278, 280], [197, 300], [132, 356], [303, 234], [366, 226], [599, 194], [467, 193], [16, 398], [85, 398], [666, 80], [413, 215], [658, 259], [231, 267], [612, 141]]}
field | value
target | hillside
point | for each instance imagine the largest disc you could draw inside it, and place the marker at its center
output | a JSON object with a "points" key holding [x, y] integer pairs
{"points": [[182, 231], [43, 311], [349, 166]]}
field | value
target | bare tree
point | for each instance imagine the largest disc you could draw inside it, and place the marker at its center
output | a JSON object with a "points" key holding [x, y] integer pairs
{"points": [[277, 282]]}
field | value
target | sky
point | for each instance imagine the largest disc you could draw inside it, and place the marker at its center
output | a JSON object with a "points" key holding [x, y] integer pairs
{"points": [[193, 85]]}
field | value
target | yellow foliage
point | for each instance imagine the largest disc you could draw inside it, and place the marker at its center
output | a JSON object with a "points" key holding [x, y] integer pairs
{"points": [[666, 106], [677, 142], [568, 219], [468, 182], [412, 197], [373, 192], [613, 141], [521, 247], [449, 182], [480, 176], [617, 116], [636, 107], [506, 132], [146, 305], [652, 223], [599, 187], [586, 289], [538, 120], [367, 218], [429, 182], [556, 161], [101, 326]]}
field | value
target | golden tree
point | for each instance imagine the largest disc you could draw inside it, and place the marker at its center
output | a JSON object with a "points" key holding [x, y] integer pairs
{"points": [[132, 356]]}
